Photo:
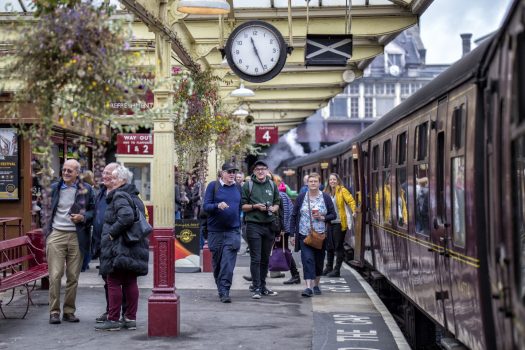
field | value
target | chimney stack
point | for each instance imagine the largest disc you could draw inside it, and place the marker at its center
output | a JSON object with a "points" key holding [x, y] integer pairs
{"points": [[423, 55], [465, 40]]}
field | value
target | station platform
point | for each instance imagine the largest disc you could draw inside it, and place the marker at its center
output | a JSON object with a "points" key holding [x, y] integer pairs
{"points": [[348, 315]]}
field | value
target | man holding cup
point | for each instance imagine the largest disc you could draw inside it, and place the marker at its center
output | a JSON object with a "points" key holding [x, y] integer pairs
{"points": [[260, 200]]}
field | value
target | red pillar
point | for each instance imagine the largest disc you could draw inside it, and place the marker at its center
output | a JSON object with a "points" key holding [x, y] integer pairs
{"points": [[206, 258], [163, 304]]}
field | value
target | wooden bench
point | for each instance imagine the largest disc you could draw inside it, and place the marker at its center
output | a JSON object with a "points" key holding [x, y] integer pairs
{"points": [[19, 267]]}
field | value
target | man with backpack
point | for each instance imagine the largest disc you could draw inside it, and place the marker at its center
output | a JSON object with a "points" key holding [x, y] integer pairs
{"points": [[222, 203], [260, 203]]}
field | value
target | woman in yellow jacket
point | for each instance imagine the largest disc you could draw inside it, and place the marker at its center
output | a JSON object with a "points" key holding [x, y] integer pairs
{"points": [[337, 230]]}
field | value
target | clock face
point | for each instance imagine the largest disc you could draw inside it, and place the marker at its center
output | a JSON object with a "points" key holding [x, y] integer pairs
{"points": [[256, 51]]}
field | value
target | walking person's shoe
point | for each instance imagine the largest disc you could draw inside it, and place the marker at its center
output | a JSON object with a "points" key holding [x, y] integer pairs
{"points": [[54, 318], [276, 274], [327, 270], [109, 325], [317, 290], [256, 294], [293, 280], [102, 318], [334, 273], [126, 323], [225, 299], [307, 293], [268, 292], [70, 318]]}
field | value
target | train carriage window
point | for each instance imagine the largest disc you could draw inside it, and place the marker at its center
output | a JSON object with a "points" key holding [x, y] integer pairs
{"points": [[387, 151], [376, 195], [401, 181], [458, 128], [375, 157], [421, 199], [421, 141], [387, 187], [458, 201], [386, 199], [518, 204]]}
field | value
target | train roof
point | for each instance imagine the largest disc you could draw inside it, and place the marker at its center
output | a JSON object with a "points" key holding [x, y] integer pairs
{"points": [[461, 71], [325, 153]]}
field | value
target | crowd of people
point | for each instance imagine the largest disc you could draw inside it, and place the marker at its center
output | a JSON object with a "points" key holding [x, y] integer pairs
{"points": [[90, 221]]}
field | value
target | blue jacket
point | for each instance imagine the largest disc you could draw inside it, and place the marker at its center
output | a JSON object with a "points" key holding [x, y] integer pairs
{"points": [[84, 199], [287, 206], [98, 221], [229, 218], [294, 219]]}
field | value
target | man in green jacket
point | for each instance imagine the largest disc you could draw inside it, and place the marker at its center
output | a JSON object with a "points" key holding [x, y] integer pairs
{"points": [[260, 203]]}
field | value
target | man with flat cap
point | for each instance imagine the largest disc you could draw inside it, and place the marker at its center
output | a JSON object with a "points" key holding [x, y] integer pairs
{"points": [[260, 203], [222, 203]]}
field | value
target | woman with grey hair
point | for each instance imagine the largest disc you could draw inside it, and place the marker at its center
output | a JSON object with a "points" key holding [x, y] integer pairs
{"points": [[120, 261]]}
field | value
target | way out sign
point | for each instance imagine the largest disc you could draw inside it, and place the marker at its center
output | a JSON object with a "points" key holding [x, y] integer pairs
{"points": [[266, 134], [134, 144]]}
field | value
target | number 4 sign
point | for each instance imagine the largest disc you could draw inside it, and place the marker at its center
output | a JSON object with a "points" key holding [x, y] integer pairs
{"points": [[134, 144], [266, 134]]}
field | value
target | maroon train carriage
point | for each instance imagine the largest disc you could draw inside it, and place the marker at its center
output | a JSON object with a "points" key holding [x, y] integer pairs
{"points": [[444, 217]]}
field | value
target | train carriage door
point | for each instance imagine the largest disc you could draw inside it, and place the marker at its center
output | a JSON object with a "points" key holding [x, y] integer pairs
{"points": [[359, 194], [440, 225]]}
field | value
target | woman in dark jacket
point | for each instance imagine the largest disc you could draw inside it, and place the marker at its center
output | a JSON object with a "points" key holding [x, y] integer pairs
{"points": [[122, 262], [318, 214]]}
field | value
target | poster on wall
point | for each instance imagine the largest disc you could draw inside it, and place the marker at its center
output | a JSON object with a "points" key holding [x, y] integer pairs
{"points": [[8, 164], [187, 248]]}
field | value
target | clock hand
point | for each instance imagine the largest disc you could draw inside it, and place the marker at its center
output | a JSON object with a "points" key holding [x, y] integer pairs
{"points": [[257, 53]]}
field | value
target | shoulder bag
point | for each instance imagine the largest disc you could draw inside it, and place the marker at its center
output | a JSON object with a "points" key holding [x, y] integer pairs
{"points": [[314, 238], [140, 228]]}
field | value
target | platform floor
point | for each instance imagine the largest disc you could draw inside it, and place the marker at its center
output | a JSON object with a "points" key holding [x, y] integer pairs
{"points": [[347, 316]]}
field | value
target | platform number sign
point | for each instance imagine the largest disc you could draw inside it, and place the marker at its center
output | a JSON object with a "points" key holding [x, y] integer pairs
{"points": [[266, 134], [135, 144]]}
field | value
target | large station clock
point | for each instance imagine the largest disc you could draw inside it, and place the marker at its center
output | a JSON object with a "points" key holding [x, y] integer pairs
{"points": [[256, 51]]}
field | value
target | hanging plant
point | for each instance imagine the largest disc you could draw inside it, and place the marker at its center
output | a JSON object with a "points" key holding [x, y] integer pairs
{"points": [[69, 64]]}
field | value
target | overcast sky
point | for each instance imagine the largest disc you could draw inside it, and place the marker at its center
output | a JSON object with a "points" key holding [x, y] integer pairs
{"points": [[444, 20]]}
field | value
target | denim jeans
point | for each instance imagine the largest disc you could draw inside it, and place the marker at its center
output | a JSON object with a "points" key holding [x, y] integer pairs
{"points": [[312, 260], [260, 242], [224, 246]]}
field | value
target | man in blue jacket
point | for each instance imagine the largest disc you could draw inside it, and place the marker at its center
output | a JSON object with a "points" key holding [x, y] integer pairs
{"points": [[222, 203]]}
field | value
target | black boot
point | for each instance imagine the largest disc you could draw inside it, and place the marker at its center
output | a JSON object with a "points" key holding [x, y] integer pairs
{"points": [[336, 272], [329, 262], [295, 279]]}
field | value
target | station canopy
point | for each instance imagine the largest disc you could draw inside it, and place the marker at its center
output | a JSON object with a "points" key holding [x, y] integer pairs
{"points": [[298, 91]]}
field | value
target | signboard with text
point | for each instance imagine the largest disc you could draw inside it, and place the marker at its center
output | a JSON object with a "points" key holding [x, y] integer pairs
{"points": [[8, 164], [134, 144], [266, 134], [187, 247]]}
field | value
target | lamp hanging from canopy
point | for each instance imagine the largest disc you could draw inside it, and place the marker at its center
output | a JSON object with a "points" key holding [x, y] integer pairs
{"points": [[240, 112], [242, 92], [204, 7]]}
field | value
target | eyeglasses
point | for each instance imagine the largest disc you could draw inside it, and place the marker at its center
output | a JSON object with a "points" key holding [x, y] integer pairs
{"points": [[68, 171], [231, 171], [260, 169]]}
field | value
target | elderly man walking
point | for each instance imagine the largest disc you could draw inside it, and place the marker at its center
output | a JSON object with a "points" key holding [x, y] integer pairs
{"points": [[222, 203], [67, 238]]}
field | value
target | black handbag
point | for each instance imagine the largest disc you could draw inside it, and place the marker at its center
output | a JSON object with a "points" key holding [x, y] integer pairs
{"points": [[140, 228]]}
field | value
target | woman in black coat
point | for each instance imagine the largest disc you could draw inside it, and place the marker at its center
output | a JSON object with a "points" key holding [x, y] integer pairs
{"points": [[122, 262], [317, 214]]}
